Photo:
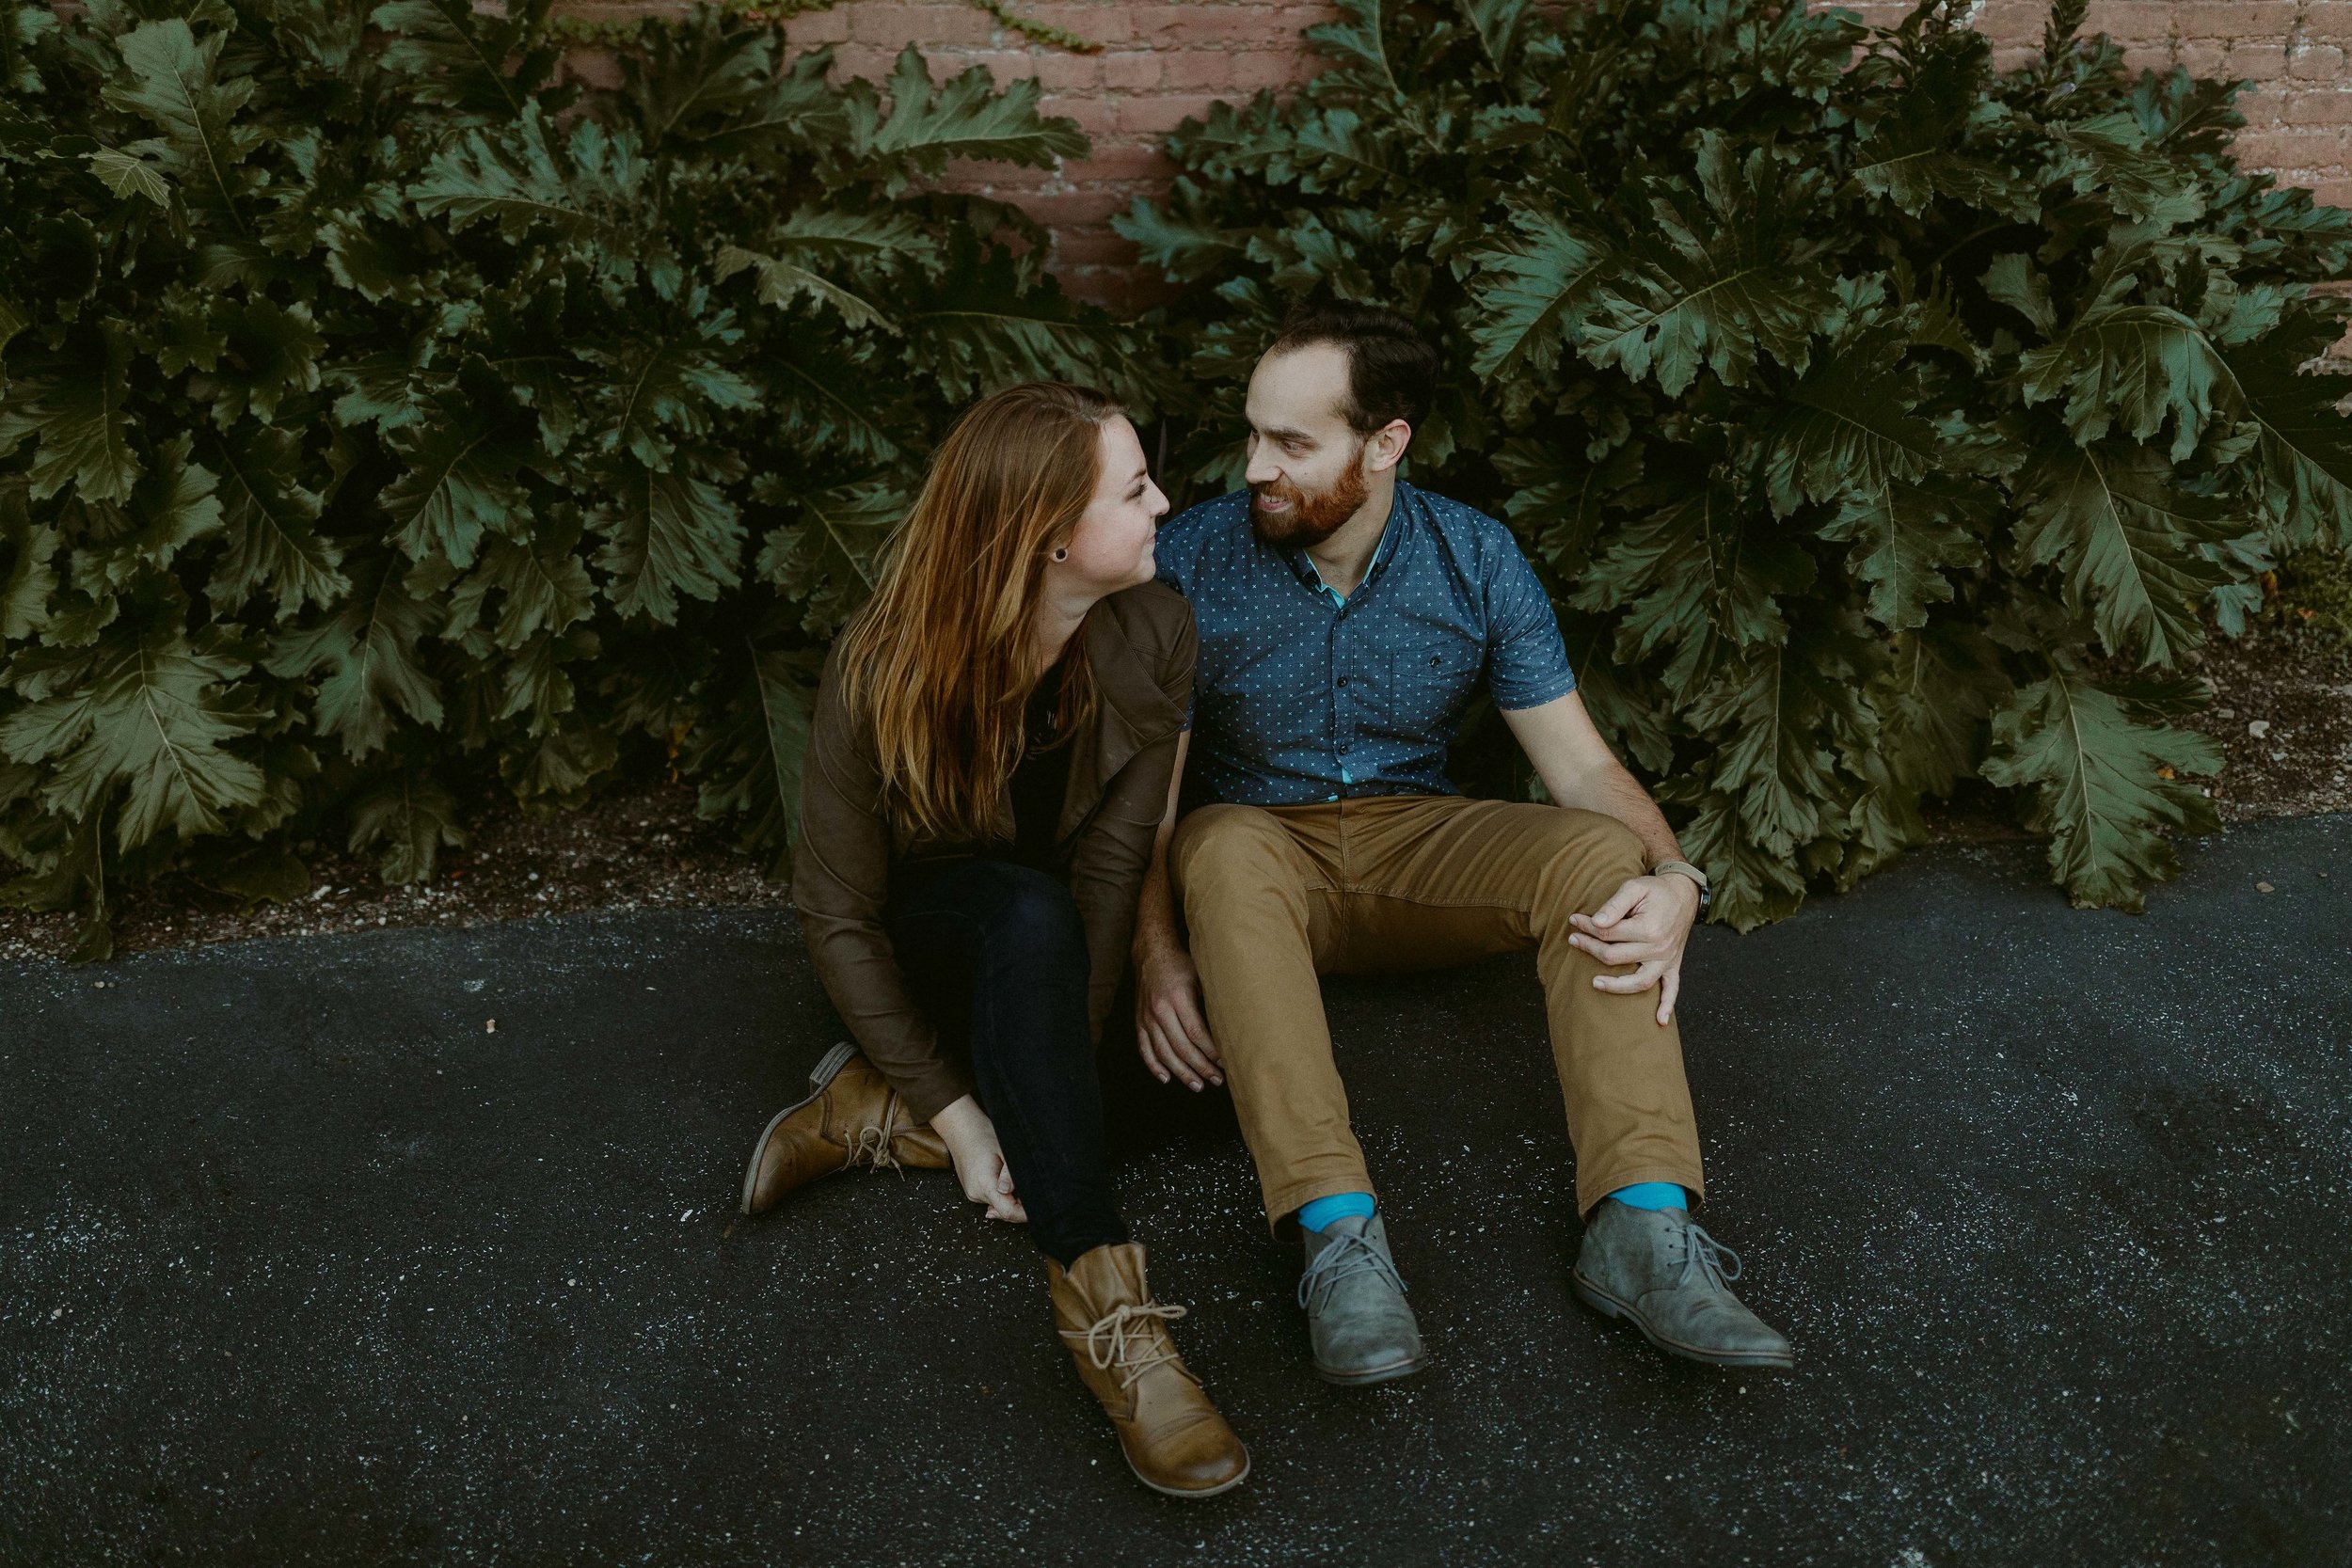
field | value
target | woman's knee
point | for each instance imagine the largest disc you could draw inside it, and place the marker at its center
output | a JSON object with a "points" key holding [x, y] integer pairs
{"points": [[1034, 921]]}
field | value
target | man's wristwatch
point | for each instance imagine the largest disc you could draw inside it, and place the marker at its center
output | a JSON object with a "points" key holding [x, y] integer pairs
{"points": [[1684, 868]]}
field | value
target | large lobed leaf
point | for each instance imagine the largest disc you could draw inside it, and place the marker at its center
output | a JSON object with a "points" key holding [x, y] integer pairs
{"points": [[666, 533], [172, 79], [481, 66], [1725, 276], [2103, 772], [967, 117], [750, 758], [2130, 545], [2305, 441], [520, 177], [150, 730], [81, 427], [368, 650], [1532, 289]]}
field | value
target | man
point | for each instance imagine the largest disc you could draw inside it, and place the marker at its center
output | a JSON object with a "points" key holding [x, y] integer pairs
{"points": [[1345, 618]]}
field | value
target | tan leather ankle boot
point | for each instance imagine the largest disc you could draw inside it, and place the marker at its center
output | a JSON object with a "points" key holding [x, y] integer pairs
{"points": [[851, 1117], [1173, 1437]]}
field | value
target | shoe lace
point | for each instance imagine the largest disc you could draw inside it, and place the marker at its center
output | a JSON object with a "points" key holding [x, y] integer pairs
{"points": [[1342, 1257], [869, 1146], [1707, 1255], [1117, 1340]]}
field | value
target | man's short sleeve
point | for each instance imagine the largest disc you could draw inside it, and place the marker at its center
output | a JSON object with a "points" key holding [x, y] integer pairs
{"points": [[1527, 662]]}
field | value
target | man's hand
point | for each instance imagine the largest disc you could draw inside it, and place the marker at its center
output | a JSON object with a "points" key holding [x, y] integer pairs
{"points": [[1645, 923], [981, 1168], [1171, 1034]]}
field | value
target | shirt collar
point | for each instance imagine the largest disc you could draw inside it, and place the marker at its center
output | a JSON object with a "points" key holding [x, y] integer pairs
{"points": [[1302, 564]]}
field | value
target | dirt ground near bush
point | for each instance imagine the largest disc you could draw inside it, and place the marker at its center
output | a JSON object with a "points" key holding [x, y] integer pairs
{"points": [[2282, 710]]}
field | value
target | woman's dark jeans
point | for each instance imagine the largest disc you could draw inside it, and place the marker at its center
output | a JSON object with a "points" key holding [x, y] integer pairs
{"points": [[997, 954]]}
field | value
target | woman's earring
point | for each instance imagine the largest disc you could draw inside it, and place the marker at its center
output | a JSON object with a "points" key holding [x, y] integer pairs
{"points": [[1062, 554]]}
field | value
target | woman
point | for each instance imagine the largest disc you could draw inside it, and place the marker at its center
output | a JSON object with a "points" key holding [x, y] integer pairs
{"points": [[996, 740]]}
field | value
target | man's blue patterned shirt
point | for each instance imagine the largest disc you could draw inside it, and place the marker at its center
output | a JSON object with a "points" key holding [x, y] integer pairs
{"points": [[1299, 697]]}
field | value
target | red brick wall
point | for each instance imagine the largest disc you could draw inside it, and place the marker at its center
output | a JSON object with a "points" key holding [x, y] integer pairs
{"points": [[2298, 117], [1159, 63]]}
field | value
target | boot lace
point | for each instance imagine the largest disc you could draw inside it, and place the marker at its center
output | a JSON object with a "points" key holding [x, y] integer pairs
{"points": [[1707, 1256], [870, 1145], [1343, 1258], [1131, 1340]]}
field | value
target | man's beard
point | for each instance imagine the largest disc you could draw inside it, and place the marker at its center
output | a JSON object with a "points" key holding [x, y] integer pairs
{"points": [[1308, 519]]}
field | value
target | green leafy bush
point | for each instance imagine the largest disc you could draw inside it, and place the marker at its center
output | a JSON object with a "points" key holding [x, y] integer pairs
{"points": [[381, 422], [1884, 419]]}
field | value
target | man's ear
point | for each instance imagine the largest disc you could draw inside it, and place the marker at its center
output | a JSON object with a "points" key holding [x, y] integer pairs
{"points": [[1385, 447]]}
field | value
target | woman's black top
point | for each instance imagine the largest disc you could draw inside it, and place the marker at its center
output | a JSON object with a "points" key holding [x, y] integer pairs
{"points": [[1041, 782], [1039, 785]]}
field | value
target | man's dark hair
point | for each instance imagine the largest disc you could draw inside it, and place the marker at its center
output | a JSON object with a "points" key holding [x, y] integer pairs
{"points": [[1390, 365]]}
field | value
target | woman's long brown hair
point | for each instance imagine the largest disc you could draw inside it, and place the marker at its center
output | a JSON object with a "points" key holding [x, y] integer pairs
{"points": [[938, 660]]}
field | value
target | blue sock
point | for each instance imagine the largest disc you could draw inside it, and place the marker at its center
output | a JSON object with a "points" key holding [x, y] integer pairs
{"points": [[1323, 1210], [1652, 1195]]}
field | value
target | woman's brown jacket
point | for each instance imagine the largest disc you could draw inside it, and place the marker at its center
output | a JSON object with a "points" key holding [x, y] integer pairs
{"points": [[1141, 646]]}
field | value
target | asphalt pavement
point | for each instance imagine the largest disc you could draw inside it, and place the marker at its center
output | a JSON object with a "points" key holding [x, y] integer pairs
{"points": [[304, 1262]]}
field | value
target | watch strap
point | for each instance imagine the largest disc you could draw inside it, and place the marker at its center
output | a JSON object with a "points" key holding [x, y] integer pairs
{"points": [[1684, 868]]}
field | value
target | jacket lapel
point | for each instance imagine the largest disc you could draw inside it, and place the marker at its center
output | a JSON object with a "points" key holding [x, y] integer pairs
{"points": [[1133, 713]]}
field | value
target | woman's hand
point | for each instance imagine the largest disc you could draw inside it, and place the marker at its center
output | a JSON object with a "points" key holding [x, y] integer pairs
{"points": [[971, 1140]]}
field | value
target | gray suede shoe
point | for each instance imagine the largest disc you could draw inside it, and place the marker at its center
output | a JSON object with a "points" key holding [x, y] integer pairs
{"points": [[1356, 1320], [1658, 1271]]}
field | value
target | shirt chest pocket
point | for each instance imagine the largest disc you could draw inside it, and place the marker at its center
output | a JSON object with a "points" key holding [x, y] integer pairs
{"points": [[1431, 675]]}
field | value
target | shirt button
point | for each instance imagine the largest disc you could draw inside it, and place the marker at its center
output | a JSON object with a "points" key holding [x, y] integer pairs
{"points": [[1343, 680]]}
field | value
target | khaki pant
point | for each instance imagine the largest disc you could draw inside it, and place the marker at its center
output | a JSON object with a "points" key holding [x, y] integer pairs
{"points": [[1278, 895]]}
